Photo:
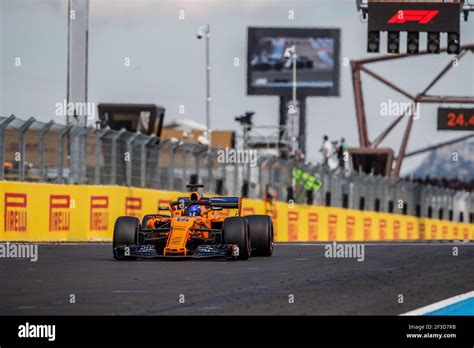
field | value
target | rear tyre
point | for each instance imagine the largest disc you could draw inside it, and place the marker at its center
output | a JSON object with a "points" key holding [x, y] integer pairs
{"points": [[125, 234], [236, 231], [261, 234]]}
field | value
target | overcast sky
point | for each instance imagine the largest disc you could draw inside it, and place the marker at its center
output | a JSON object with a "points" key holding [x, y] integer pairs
{"points": [[167, 63]]}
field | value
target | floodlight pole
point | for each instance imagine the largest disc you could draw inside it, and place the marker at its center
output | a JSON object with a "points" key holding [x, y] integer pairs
{"points": [[293, 101], [208, 85], [206, 33], [293, 96], [208, 103]]}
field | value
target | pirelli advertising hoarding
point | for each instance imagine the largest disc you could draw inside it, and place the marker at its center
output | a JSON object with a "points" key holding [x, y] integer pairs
{"points": [[74, 213], [414, 16]]}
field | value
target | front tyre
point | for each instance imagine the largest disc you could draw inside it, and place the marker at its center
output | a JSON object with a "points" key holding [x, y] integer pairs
{"points": [[236, 231], [261, 234], [125, 234]]}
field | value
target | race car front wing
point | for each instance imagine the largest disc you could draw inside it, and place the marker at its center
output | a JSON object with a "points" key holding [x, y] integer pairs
{"points": [[205, 251]]}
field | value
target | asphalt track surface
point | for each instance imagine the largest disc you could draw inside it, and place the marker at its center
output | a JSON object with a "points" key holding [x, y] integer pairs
{"points": [[423, 273]]}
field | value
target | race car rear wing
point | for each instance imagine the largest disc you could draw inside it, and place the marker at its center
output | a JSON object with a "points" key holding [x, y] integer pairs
{"points": [[225, 202]]}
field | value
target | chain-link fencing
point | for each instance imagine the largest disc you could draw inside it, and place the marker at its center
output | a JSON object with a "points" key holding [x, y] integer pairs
{"points": [[48, 152]]}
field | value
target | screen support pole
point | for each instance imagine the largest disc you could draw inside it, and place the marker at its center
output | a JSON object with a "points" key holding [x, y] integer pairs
{"points": [[283, 115], [283, 133], [302, 125]]}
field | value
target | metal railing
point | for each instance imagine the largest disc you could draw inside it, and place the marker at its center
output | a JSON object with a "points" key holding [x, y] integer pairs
{"points": [[48, 152]]}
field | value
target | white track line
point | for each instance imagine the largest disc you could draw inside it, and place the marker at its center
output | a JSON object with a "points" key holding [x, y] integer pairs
{"points": [[438, 305]]}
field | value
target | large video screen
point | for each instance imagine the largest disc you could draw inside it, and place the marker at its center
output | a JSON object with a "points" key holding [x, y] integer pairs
{"points": [[270, 72]]}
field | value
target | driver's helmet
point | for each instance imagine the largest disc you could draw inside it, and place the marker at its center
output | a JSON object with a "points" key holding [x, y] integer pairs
{"points": [[193, 210]]}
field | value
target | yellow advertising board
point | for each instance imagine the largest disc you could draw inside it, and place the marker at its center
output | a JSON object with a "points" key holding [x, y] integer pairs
{"points": [[86, 213]]}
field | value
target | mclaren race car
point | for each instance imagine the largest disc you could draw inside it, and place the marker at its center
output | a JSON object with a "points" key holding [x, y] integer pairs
{"points": [[194, 227]]}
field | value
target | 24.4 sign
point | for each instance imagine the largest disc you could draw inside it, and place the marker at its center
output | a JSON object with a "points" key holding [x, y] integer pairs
{"points": [[456, 119]]}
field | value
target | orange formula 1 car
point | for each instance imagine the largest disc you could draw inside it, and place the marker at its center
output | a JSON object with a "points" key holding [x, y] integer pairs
{"points": [[194, 227]]}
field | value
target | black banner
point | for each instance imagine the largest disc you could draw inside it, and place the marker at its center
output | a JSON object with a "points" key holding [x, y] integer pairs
{"points": [[291, 331], [418, 17]]}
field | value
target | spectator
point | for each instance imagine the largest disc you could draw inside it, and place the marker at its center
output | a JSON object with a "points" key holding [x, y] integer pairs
{"points": [[342, 150], [327, 151]]}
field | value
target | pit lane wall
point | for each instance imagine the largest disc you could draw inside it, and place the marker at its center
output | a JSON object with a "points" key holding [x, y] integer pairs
{"points": [[86, 213]]}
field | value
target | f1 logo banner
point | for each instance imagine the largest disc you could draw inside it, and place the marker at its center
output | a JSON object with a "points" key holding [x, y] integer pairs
{"points": [[420, 16], [414, 16]]}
